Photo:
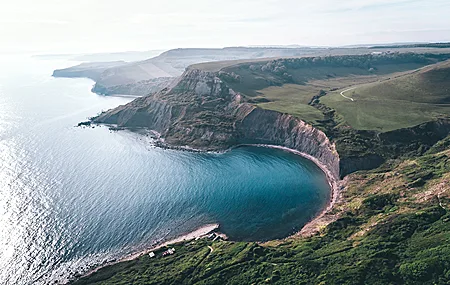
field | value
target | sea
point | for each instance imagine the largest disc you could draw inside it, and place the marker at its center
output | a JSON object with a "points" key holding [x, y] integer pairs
{"points": [[72, 198]]}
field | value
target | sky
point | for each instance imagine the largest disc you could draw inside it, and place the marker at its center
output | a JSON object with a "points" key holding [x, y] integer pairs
{"points": [[85, 26]]}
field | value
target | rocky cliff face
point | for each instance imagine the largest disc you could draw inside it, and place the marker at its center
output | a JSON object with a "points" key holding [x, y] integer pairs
{"points": [[201, 111], [373, 148], [270, 127], [195, 111]]}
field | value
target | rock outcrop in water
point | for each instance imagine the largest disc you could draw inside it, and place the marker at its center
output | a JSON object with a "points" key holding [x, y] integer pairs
{"points": [[202, 112]]}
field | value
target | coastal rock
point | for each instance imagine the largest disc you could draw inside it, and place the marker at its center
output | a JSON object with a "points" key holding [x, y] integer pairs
{"points": [[270, 127], [200, 111]]}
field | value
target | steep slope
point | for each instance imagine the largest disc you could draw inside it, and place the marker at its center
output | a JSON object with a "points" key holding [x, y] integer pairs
{"points": [[202, 112]]}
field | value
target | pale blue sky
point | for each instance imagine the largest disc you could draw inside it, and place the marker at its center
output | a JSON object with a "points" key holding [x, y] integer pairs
{"points": [[109, 25]]}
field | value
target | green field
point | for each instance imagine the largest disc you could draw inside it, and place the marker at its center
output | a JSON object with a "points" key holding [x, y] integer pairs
{"points": [[292, 99], [400, 102], [394, 90]]}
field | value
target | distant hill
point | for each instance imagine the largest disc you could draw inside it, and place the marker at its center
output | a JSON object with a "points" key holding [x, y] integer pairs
{"points": [[172, 63], [413, 45], [163, 68], [88, 70]]}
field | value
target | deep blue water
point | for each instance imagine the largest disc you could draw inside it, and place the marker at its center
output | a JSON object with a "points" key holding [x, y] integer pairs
{"points": [[72, 197]]}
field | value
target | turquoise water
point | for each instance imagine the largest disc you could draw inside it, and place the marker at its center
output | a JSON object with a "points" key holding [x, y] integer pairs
{"points": [[73, 197]]}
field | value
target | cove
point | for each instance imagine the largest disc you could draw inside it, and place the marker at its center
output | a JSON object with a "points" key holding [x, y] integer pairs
{"points": [[73, 197]]}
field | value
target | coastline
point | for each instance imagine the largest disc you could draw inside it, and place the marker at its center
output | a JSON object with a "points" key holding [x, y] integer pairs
{"points": [[308, 229], [198, 233], [312, 226]]}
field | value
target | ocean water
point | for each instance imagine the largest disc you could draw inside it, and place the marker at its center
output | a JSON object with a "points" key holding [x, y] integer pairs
{"points": [[74, 197]]}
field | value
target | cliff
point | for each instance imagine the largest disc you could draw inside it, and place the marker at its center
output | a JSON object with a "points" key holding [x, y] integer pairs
{"points": [[270, 127], [201, 111]]}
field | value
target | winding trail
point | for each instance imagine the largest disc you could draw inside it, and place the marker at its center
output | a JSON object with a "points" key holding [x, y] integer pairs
{"points": [[342, 93]]}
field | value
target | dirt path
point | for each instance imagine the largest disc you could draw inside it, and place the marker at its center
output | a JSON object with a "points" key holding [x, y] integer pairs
{"points": [[342, 93], [211, 249]]}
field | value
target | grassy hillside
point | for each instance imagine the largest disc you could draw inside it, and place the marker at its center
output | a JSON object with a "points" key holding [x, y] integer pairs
{"points": [[172, 63], [399, 102], [291, 98], [289, 85], [391, 226]]}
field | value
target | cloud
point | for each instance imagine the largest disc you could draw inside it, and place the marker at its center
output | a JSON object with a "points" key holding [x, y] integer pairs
{"points": [[35, 21], [96, 25]]}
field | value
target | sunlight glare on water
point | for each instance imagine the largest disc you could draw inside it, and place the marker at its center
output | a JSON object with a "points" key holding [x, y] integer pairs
{"points": [[71, 197]]}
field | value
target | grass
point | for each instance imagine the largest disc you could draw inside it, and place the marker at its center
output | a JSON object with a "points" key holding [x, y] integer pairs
{"points": [[292, 99], [391, 95], [400, 102], [391, 225], [388, 229], [383, 114]]}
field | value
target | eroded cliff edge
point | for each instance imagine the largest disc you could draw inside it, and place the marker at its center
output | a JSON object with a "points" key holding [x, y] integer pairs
{"points": [[201, 111]]}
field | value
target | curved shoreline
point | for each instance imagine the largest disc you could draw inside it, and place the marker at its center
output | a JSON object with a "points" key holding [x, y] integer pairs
{"points": [[307, 230], [311, 227], [334, 182]]}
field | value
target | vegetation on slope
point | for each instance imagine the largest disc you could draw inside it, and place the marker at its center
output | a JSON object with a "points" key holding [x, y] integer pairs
{"points": [[400, 102], [399, 97], [421, 45], [391, 226], [289, 85]]}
